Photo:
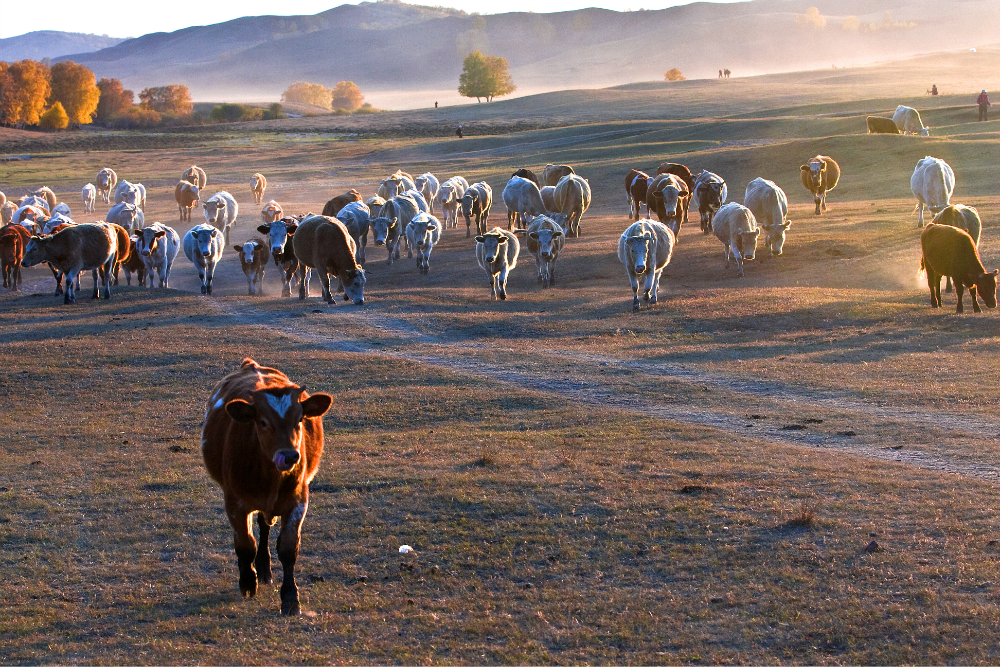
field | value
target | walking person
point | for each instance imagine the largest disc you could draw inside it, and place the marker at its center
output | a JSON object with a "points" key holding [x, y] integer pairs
{"points": [[459, 131], [984, 104]]}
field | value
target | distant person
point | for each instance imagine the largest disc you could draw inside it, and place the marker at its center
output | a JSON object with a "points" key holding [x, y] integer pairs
{"points": [[720, 73], [984, 104], [459, 131], [934, 90], [727, 73], [435, 104]]}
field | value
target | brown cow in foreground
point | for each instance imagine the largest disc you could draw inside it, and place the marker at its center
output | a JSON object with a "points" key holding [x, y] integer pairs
{"points": [[324, 244], [949, 251], [89, 246], [332, 207], [13, 240], [262, 441]]}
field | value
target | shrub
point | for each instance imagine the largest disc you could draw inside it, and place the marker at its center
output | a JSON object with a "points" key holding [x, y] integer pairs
{"points": [[674, 75], [54, 118]]}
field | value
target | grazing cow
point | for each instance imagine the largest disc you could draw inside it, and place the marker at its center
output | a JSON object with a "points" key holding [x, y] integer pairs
{"points": [[134, 264], [932, 183], [572, 199], [450, 195], [13, 240], [203, 246], [769, 206], [253, 259], [710, 193], [553, 173], [127, 215], [132, 193], [7, 212], [668, 196], [390, 227], [196, 176], [645, 249], [324, 244], [497, 252], [374, 204], [963, 217], [423, 233], [106, 181], [427, 184], [548, 194], [949, 251], [271, 212], [478, 201], [356, 216], [89, 196], [522, 198], [279, 234], [332, 207], [636, 183], [91, 246], [545, 240], [907, 120], [158, 245], [262, 441], [186, 195], [736, 227], [46, 193], [529, 175], [257, 184], [879, 125], [221, 210], [396, 184], [820, 175]]}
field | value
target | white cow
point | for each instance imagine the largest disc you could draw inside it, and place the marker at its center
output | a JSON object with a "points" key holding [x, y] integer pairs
{"points": [[396, 184], [545, 241], [126, 215], [54, 221], [7, 212], [769, 206], [450, 195], [133, 193], [157, 246], [932, 183], [203, 246], [89, 196], [422, 233], [497, 252], [522, 199], [106, 181], [572, 199], [428, 185], [645, 249], [221, 211], [907, 119], [735, 225], [62, 208]]}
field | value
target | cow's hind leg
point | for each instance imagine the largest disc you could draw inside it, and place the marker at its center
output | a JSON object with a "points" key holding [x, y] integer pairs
{"points": [[262, 561], [288, 552]]}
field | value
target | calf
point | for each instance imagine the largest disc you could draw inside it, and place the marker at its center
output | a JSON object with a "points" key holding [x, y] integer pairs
{"points": [[357, 218], [127, 215], [820, 175], [13, 240], [106, 181], [572, 199], [711, 193], [221, 211], [450, 197], [279, 234], [645, 249], [186, 195], [262, 440], [636, 183], [253, 259], [423, 232], [134, 264], [90, 246], [332, 207], [497, 252], [545, 240], [324, 244], [203, 246], [878, 125], [477, 202], [949, 251], [158, 245], [257, 185], [736, 227], [89, 196], [271, 212]]}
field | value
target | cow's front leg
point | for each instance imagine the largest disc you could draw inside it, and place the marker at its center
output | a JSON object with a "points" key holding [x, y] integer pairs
{"points": [[635, 290], [245, 545], [502, 282], [288, 552], [649, 291], [262, 561]]}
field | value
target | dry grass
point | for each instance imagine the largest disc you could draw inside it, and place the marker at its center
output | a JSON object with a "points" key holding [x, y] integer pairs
{"points": [[580, 483]]}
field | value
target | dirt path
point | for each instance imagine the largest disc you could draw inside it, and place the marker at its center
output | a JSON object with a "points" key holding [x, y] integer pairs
{"points": [[725, 410]]}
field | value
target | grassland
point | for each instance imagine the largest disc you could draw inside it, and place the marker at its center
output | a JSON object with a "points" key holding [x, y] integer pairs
{"points": [[698, 482]]}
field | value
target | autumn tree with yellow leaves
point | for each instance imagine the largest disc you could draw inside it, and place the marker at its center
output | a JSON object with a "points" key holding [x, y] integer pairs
{"points": [[75, 87]]}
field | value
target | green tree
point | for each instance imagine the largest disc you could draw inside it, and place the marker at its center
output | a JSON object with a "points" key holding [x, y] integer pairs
{"points": [[485, 76], [54, 118], [75, 87]]}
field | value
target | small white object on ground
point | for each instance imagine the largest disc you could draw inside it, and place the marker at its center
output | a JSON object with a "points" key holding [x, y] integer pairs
{"points": [[405, 549]]}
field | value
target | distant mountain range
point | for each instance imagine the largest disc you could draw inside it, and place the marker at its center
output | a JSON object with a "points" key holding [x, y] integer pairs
{"points": [[52, 44], [391, 46]]}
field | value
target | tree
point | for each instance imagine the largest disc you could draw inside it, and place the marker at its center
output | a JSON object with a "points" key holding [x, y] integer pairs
{"points": [[674, 75], [347, 95], [54, 118], [114, 100], [75, 88], [232, 113], [811, 19], [308, 93], [273, 112], [485, 76], [172, 100], [24, 87]]}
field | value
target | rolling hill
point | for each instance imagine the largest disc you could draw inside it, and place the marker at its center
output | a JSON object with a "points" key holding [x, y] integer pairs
{"points": [[52, 44]]}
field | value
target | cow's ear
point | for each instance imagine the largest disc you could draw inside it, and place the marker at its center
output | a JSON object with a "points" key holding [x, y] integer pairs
{"points": [[238, 248], [214, 233], [480, 239], [159, 234], [556, 234], [291, 227], [533, 235], [264, 229], [241, 411], [804, 167], [501, 240], [788, 223], [316, 405]]}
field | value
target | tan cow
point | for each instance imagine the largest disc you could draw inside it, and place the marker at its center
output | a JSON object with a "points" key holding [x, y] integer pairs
{"points": [[819, 176], [186, 195], [271, 212], [89, 246], [195, 175], [258, 183], [324, 244]]}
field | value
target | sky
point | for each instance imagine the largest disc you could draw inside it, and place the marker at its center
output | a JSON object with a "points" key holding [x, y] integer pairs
{"points": [[139, 18]]}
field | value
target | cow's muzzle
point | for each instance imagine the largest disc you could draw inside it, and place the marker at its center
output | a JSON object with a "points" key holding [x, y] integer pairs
{"points": [[285, 459]]}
